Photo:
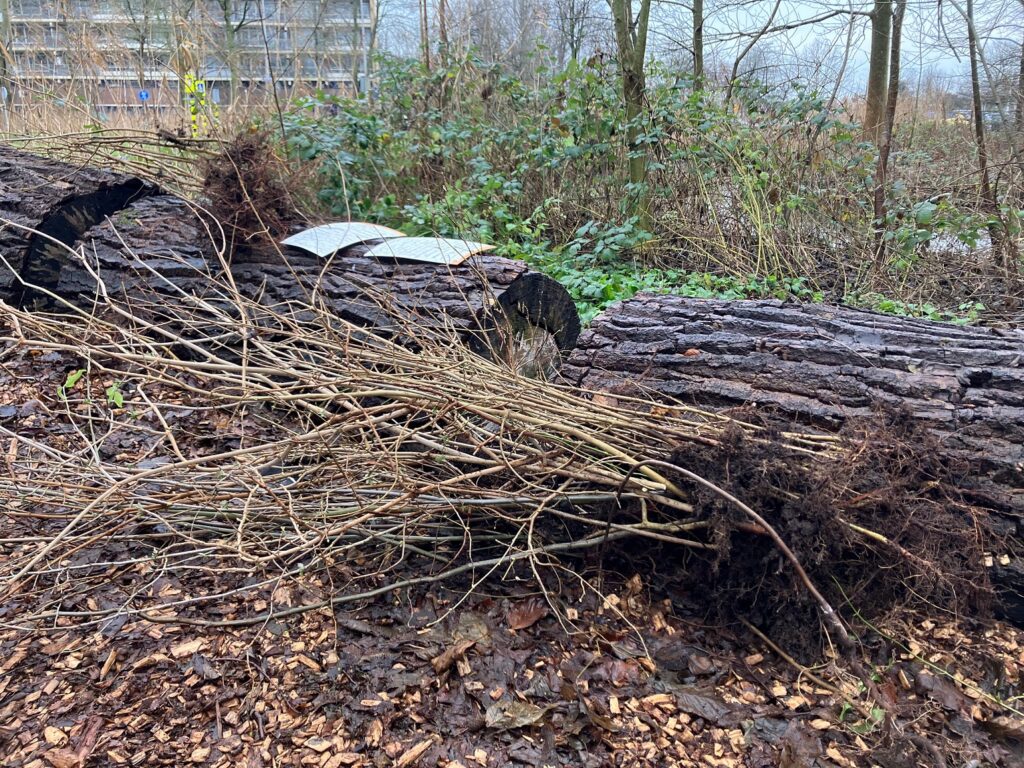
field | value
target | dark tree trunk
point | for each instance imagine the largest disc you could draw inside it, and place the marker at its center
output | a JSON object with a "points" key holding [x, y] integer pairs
{"points": [[826, 368], [878, 69], [888, 126], [160, 243], [45, 205]]}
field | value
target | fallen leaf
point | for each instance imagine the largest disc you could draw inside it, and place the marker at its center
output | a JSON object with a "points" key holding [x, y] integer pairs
{"points": [[800, 746], [526, 613], [701, 705], [1005, 728], [700, 665], [55, 737], [203, 668], [942, 690], [508, 713], [444, 661]]}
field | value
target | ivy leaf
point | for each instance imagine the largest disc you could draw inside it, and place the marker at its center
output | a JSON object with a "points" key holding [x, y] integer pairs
{"points": [[114, 395]]}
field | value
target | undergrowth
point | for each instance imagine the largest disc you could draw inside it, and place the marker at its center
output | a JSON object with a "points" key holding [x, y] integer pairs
{"points": [[768, 195]]}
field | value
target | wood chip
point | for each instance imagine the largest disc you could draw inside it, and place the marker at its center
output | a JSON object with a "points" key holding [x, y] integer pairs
{"points": [[820, 725], [374, 733], [108, 664], [305, 661], [187, 648], [414, 754], [793, 703], [318, 744]]}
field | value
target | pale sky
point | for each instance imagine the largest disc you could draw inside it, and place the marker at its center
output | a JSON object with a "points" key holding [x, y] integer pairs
{"points": [[931, 30]]}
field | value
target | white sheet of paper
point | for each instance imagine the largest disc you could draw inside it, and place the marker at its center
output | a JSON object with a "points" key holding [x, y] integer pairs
{"points": [[329, 238], [435, 250]]}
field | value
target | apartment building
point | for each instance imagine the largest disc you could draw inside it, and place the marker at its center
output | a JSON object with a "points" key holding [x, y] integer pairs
{"points": [[151, 54]]}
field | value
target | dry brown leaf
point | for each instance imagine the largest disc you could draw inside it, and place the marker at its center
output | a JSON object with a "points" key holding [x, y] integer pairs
{"points": [[444, 661], [526, 613], [55, 737], [693, 702], [508, 713], [374, 733]]}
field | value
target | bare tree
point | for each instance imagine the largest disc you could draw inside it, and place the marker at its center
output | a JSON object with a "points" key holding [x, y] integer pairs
{"points": [[6, 82], [424, 33], [573, 23], [1020, 93], [631, 38], [888, 123], [750, 44], [698, 44], [878, 69]]}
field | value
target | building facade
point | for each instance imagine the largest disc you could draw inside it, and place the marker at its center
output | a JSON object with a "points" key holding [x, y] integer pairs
{"points": [[153, 54]]}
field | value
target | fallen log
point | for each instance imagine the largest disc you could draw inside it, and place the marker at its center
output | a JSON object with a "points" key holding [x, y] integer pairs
{"points": [[826, 369], [46, 204], [500, 306], [820, 367]]}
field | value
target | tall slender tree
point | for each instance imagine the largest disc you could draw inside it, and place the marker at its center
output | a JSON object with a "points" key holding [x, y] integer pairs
{"points": [[888, 124], [631, 40], [698, 44], [878, 69]]}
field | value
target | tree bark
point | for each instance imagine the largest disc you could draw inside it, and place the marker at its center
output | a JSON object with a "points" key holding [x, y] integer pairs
{"points": [[825, 369], [162, 247], [46, 205], [1020, 93], [878, 69], [888, 127], [698, 45], [631, 39], [822, 367]]}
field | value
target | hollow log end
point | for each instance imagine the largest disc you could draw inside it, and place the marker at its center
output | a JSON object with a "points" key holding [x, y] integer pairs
{"points": [[533, 325]]}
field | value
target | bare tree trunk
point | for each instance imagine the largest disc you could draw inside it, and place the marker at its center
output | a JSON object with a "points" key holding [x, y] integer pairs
{"points": [[442, 29], [230, 46], [7, 83], [631, 38], [698, 44], [376, 9], [424, 34], [1001, 244], [889, 121], [881, 27], [1020, 92], [356, 45]]}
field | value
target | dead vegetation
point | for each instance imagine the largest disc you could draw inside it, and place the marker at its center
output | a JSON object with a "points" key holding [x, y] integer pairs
{"points": [[178, 488], [234, 531]]}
